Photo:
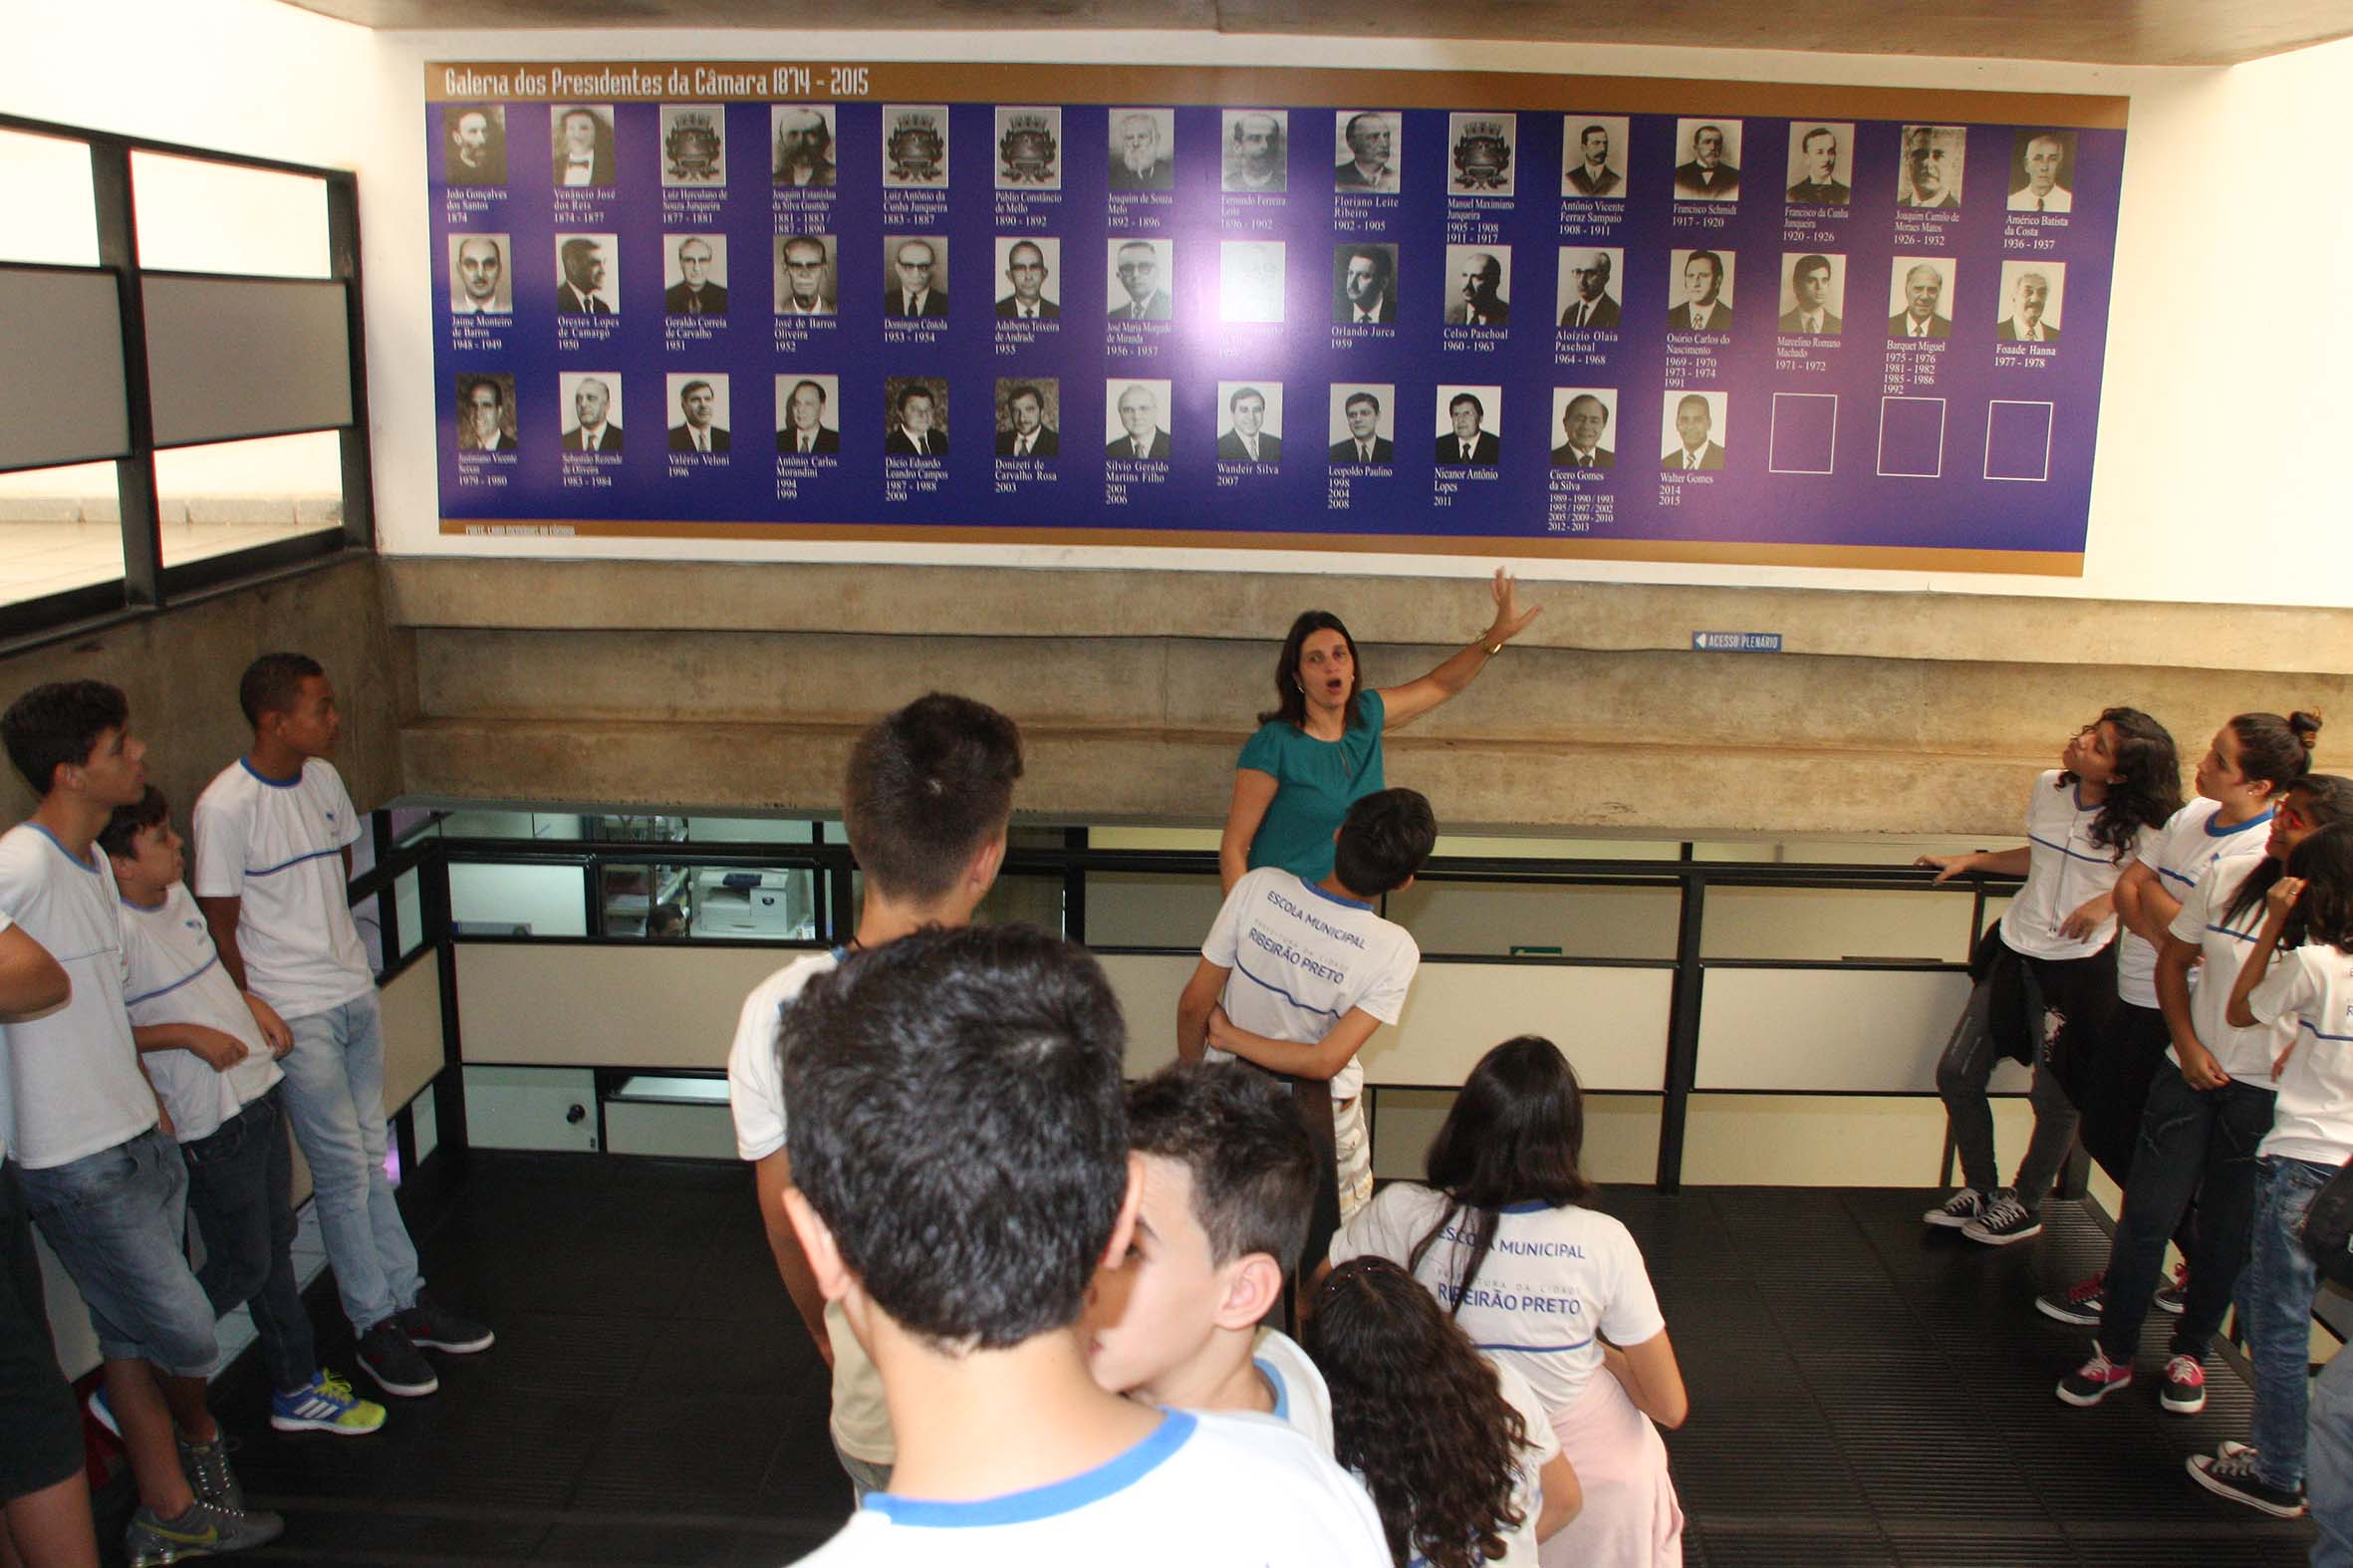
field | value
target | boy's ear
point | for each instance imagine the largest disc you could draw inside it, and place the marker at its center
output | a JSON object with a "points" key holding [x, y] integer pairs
{"points": [[817, 1243], [1123, 1229], [1403, 886], [1253, 1283], [980, 873]]}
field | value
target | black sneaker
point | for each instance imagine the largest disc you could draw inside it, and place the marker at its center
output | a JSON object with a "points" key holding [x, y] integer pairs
{"points": [[2174, 1298], [398, 1366], [2095, 1379], [2232, 1473], [431, 1326], [2084, 1302], [1958, 1211], [2006, 1221]]}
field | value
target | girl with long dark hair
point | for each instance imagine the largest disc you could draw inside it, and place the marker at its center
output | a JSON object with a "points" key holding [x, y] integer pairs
{"points": [[2250, 764], [1454, 1448], [1318, 749], [2202, 1123], [2116, 777], [2308, 924], [1502, 1237]]}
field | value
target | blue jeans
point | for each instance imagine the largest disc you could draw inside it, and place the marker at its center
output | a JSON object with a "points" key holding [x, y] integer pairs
{"points": [[2277, 1295], [2328, 1477], [335, 1099], [118, 1221], [241, 1194], [2194, 1143]]}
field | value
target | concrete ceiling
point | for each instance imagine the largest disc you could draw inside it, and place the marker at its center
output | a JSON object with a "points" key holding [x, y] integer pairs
{"points": [[2108, 32]]}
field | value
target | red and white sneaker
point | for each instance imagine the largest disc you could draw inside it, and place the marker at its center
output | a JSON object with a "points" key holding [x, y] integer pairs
{"points": [[2080, 1303], [2185, 1385], [2095, 1379]]}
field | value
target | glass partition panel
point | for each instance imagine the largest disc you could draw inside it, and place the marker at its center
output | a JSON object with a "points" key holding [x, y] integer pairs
{"points": [[1574, 922], [518, 901], [51, 214], [60, 529]]}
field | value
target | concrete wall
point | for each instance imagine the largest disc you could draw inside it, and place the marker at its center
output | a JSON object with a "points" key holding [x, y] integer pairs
{"points": [[568, 682], [180, 668]]}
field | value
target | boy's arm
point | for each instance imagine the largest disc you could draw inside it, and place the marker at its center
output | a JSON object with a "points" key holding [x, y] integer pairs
{"points": [[1195, 1007], [771, 1175], [1319, 1059], [218, 1050], [31, 981], [221, 917]]}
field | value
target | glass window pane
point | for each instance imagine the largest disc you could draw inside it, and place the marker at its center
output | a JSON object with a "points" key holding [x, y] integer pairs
{"points": [[371, 925], [1835, 922], [50, 214], [738, 902], [1030, 900], [627, 893], [409, 906], [194, 216], [59, 528], [519, 901], [1588, 921], [240, 494], [1150, 908]]}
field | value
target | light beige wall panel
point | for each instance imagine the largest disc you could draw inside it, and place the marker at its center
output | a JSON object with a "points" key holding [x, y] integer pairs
{"points": [[1620, 1134], [534, 1004], [1148, 985], [1144, 911], [1845, 1140], [1610, 1023], [1860, 1031], [411, 1006]]}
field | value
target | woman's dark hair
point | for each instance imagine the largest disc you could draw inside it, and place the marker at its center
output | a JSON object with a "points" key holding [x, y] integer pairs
{"points": [[2275, 749], [2148, 787], [2325, 799], [1418, 1413], [1290, 703], [1514, 1136], [2325, 863]]}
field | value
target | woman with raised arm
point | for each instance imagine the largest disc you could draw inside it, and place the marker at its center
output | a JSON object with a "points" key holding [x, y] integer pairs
{"points": [[1318, 749]]}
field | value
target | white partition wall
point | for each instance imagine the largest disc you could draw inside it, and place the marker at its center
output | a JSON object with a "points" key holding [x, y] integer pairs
{"points": [[566, 1004], [1838, 1031]]}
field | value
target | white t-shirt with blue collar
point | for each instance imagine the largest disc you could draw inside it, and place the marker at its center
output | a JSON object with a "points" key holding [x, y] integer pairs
{"points": [[1302, 1401], [69, 1084], [2178, 853], [2312, 1117], [176, 976], [1202, 1492], [277, 845], [1303, 960]]}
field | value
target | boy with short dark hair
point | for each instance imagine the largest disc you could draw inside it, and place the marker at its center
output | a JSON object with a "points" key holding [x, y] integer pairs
{"points": [[102, 1177], [927, 803], [212, 1054], [274, 833], [1229, 1175], [961, 1166], [1295, 977]]}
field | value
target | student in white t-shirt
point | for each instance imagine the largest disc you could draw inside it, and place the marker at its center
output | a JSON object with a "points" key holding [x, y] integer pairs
{"points": [[212, 1054], [44, 1498], [2051, 953], [1228, 1176], [1454, 1447], [961, 1169], [1502, 1237], [2308, 921], [926, 801], [2204, 1118], [100, 1174], [2249, 764], [1295, 976], [274, 833]]}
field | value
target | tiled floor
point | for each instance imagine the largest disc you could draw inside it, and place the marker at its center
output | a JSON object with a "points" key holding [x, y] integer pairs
{"points": [[1863, 1392]]}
